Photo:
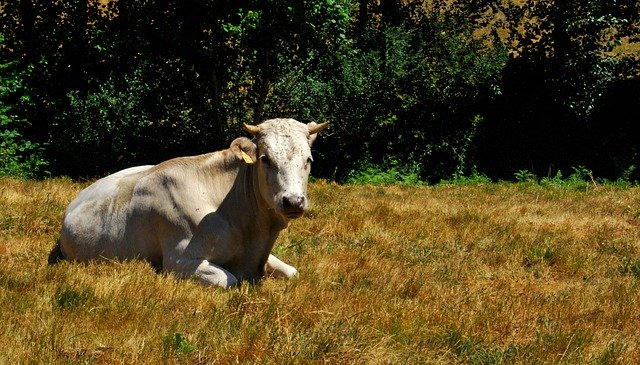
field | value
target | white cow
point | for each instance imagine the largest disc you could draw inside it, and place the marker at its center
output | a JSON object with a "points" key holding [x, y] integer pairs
{"points": [[214, 217]]}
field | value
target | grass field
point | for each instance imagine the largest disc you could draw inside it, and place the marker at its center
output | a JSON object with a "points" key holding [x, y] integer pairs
{"points": [[486, 274]]}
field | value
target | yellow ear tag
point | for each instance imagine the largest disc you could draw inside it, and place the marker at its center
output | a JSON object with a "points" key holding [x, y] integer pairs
{"points": [[246, 158]]}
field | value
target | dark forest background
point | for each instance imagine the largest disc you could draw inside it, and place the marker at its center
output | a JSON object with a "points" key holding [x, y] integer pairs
{"points": [[443, 89]]}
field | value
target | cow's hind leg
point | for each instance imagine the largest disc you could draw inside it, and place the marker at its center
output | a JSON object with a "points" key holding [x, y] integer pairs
{"points": [[278, 269], [202, 270]]}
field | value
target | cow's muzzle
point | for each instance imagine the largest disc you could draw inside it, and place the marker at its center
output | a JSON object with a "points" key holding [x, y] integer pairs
{"points": [[294, 206]]}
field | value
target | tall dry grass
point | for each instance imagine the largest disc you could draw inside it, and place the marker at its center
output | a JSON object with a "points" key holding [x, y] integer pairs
{"points": [[499, 273]]}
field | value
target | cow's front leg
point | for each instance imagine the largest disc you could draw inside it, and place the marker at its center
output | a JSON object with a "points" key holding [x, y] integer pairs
{"points": [[278, 269], [202, 270]]}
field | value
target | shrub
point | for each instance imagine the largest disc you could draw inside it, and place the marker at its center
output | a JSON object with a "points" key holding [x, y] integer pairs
{"points": [[370, 174], [124, 122], [176, 344], [473, 178], [525, 176], [405, 92], [19, 157]]}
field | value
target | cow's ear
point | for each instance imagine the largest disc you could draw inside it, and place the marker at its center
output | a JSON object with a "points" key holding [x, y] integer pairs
{"points": [[245, 150], [314, 129]]}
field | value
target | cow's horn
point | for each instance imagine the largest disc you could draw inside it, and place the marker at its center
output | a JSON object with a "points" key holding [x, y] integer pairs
{"points": [[315, 128], [253, 129]]}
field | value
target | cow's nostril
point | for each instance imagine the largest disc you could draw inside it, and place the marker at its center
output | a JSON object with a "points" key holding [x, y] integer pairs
{"points": [[293, 202]]}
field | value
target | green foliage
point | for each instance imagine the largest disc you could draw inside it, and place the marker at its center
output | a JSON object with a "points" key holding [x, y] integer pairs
{"points": [[176, 344], [19, 157], [249, 20], [581, 177], [626, 179], [103, 124], [124, 122], [370, 174], [474, 178], [399, 81], [167, 79], [553, 180], [415, 97], [525, 176], [627, 173]]}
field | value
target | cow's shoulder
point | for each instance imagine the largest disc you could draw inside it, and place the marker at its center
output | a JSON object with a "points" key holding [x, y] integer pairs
{"points": [[219, 161], [183, 182]]}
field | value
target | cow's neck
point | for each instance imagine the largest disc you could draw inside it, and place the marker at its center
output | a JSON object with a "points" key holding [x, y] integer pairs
{"points": [[261, 225], [264, 216]]}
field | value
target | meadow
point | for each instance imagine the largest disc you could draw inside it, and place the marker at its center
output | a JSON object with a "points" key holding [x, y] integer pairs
{"points": [[486, 273]]}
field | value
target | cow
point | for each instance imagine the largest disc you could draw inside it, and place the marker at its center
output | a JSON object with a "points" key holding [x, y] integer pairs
{"points": [[214, 217]]}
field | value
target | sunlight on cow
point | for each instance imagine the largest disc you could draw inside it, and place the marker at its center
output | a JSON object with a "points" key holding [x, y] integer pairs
{"points": [[214, 217]]}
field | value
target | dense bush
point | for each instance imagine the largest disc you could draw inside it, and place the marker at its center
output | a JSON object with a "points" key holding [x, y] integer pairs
{"points": [[416, 100], [127, 120], [444, 89], [137, 82], [18, 156]]}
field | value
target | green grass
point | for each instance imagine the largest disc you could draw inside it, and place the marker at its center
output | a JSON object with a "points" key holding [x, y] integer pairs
{"points": [[491, 273]]}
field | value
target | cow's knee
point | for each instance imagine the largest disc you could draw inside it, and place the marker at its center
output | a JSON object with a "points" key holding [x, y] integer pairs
{"points": [[226, 280], [203, 271], [210, 274]]}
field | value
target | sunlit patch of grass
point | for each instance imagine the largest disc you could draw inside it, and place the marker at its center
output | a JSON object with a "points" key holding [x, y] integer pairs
{"points": [[482, 273]]}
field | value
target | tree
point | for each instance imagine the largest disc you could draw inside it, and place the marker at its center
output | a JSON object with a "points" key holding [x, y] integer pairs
{"points": [[137, 82], [561, 66], [406, 89]]}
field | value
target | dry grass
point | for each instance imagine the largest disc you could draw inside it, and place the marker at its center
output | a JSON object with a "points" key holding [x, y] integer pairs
{"points": [[500, 273]]}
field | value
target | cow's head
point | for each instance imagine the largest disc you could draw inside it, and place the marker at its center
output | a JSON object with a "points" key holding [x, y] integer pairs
{"points": [[281, 152]]}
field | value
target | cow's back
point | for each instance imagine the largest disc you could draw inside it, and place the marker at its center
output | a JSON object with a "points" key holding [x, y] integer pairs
{"points": [[97, 223]]}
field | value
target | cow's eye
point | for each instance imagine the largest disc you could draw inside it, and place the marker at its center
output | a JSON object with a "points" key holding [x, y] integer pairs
{"points": [[266, 160]]}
